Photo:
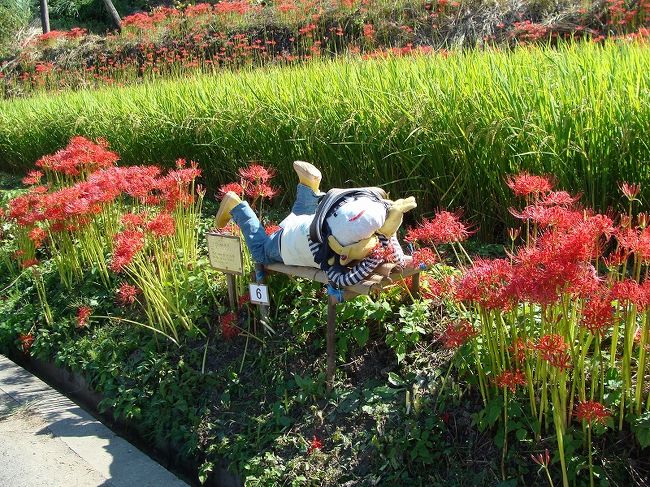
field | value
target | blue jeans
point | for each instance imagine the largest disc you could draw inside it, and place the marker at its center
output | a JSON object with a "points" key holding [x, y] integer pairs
{"points": [[265, 249]]}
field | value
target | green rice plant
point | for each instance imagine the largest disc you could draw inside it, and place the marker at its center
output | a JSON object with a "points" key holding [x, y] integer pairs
{"points": [[443, 128]]}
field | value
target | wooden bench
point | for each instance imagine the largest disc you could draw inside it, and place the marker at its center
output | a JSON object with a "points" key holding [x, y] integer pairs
{"points": [[385, 275]]}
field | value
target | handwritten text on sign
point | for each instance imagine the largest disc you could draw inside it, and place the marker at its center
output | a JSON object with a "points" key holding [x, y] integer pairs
{"points": [[225, 253]]}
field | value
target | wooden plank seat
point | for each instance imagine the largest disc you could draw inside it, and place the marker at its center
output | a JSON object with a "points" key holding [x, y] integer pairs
{"points": [[384, 276]]}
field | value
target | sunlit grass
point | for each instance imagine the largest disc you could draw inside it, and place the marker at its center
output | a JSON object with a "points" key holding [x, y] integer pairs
{"points": [[446, 130]]}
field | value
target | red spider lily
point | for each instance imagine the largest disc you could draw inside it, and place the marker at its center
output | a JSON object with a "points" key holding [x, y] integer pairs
{"points": [[445, 227], [38, 236], [549, 216], [629, 291], [431, 288], [80, 154], [33, 177], [560, 262], [558, 198], [26, 341], [272, 228], [519, 348], [162, 225], [234, 187], [591, 411], [487, 283], [183, 174], [127, 294], [127, 244], [314, 444], [228, 329], [368, 31], [526, 184], [134, 221], [636, 241], [542, 459], [83, 316], [383, 253], [256, 173], [553, 349], [136, 181], [261, 190], [598, 313], [630, 190], [424, 257], [456, 335], [26, 264], [245, 299], [510, 379]]}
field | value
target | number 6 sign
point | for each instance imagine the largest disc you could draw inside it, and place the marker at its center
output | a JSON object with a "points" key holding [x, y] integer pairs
{"points": [[259, 294]]}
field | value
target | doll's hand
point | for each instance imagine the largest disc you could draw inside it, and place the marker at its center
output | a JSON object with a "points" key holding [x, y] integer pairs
{"points": [[395, 213], [355, 251]]}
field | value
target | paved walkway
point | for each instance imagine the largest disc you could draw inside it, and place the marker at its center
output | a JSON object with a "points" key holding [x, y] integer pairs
{"points": [[48, 441]]}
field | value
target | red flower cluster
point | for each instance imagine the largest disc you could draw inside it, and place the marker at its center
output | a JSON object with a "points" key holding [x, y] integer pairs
{"points": [[526, 184], [456, 335], [81, 155], [162, 225], [37, 235], [229, 329], [32, 178], [254, 183], [234, 187], [487, 283], [591, 411], [83, 316], [424, 257], [26, 341], [127, 244], [431, 288], [510, 379], [630, 191], [384, 254], [445, 227], [553, 349], [127, 294], [314, 444]]}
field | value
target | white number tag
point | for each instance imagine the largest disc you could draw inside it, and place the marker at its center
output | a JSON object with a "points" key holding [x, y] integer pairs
{"points": [[259, 294]]}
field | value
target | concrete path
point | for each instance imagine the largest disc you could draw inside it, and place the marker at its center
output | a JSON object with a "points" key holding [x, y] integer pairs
{"points": [[48, 441]]}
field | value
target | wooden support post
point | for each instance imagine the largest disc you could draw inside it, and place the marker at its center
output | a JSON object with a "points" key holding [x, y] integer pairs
{"points": [[331, 341], [415, 285], [232, 291]]}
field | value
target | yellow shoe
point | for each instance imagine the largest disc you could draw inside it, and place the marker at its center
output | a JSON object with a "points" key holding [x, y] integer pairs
{"points": [[308, 175], [229, 201]]}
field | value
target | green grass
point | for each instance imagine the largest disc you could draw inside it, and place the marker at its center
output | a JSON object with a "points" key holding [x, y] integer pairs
{"points": [[445, 130]]}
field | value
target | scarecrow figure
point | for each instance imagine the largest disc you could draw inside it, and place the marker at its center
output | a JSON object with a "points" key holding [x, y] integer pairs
{"points": [[344, 232]]}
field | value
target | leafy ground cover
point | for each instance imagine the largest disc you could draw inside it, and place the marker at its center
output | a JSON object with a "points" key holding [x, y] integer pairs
{"points": [[204, 37], [443, 128], [527, 367]]}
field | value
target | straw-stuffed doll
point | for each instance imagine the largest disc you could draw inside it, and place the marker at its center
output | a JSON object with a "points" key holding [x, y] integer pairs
{"points": [[345, 232]]}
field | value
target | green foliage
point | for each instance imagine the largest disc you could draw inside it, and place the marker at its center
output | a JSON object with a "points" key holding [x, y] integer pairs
{"points": [[641, 429], [404, 334], [446, 130], [14, 16]]}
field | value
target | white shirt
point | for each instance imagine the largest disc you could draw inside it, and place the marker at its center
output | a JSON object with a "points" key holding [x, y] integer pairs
{"points": [[294, 245]]}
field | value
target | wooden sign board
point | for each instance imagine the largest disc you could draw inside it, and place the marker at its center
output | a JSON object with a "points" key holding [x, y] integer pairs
{"points": [[225, 253]]}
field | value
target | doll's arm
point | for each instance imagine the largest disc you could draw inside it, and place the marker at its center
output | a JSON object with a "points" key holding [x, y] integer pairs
{"points": [[341, 276]]}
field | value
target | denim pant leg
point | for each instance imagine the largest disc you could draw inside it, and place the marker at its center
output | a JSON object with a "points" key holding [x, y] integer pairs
{"points": [[306, 201], [264, 249]]}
